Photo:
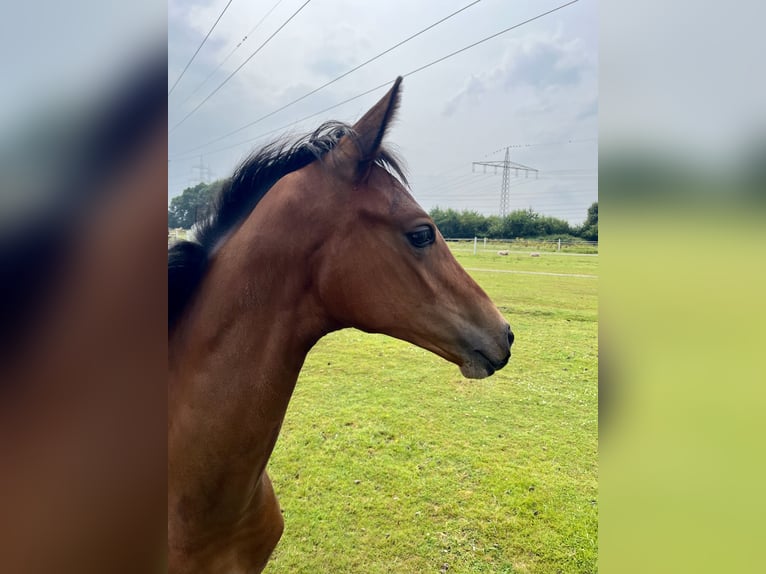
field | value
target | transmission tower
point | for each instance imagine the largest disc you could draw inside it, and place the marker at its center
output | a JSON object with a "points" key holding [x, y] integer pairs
{"points": [[507, 166], [205, 173]]}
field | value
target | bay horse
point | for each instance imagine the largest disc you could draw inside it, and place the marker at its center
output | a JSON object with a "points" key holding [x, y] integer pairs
{"points": [[336, 240]]}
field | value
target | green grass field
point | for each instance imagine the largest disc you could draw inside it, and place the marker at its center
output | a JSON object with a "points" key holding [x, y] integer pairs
{"points": [[390, 461]]}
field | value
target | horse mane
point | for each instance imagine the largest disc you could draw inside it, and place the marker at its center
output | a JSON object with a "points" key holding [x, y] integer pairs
{"points": [[239, 195]]}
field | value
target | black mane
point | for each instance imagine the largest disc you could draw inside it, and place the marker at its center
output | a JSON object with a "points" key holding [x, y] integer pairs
{"points": [[239, 195]]}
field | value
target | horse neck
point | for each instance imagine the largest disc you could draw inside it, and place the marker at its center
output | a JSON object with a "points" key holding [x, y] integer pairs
{"points": [[234, 361]]}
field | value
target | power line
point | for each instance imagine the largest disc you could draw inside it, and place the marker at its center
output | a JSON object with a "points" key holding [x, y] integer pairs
{"points": [[489, 196], [519, 145], [226, 59], [526, 145], [354, 69], [472, 185], [464, 178], [456, 52], [242, 65], [477, 182], [466, 187], [200, 47], [282, 128], [573, 170], [387, 83]]}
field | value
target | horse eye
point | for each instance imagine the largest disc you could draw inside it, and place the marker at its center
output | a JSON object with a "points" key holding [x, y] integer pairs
{"points": [[422, 236]]}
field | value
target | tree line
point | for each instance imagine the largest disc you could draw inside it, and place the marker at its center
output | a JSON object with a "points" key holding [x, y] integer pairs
{"points": [[522, 223], [194, 203]]}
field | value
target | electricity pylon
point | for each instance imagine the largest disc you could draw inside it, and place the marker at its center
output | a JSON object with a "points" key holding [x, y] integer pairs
{"points": [[507, 166]]}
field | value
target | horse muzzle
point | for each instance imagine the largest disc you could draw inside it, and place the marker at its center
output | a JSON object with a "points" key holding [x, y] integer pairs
{"points": [[485, 360]]}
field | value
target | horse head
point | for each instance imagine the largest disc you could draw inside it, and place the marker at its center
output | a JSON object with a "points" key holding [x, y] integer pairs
{"points": [[380, 264]]}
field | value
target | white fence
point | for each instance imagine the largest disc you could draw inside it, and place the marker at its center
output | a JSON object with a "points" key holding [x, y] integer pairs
{"points": [[485, 244]]}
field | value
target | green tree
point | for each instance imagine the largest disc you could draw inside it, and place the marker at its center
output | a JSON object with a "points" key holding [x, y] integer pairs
{"points": [[520, 223], [592, 218], [192, 205], [448, 222], [474, 224], [589, 229], [494, 227]]}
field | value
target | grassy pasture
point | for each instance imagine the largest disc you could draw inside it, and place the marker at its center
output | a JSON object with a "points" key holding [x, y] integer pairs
{"points": [[390, 461]]}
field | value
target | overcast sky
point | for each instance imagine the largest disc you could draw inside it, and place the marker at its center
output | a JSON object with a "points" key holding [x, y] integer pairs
{"points": [[537, 84]]}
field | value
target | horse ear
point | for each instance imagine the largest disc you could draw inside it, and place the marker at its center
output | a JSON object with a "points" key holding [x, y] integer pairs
{"points": [[353, 156]]}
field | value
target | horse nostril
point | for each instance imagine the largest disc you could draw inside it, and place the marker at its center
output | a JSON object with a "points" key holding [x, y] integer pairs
{"points": [[510, 336]]}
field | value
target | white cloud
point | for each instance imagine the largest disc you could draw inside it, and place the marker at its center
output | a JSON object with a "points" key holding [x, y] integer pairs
{"points": [[544, 63]]}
